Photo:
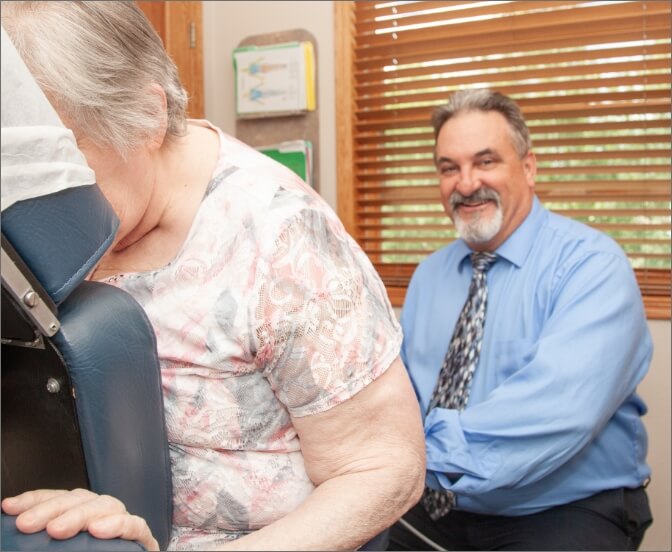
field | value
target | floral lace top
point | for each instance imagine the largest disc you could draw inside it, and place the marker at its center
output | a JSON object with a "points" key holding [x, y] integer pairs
{"points": [[269, 309]]}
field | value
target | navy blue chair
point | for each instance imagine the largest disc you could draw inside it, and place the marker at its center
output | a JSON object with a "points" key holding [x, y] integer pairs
{"points": [[81, 388]]}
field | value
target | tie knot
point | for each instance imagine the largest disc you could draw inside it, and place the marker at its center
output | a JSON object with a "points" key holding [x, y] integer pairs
{"points": [[482, 260]]}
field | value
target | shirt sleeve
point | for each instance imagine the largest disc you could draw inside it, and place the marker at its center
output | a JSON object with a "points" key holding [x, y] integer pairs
{"points": [[324, 325], [594, 349]]}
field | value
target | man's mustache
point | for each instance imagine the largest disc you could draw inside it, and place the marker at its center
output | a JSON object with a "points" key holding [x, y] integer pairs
{"points": [[479, 196]]}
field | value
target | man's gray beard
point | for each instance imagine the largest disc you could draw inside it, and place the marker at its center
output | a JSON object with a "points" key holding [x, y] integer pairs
{"points": [[479, 229]]}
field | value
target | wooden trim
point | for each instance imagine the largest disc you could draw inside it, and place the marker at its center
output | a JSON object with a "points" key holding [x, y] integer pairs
{"points": [[657, 308], [173, 21], [396, 294], [156, 13], [345, 112], [180, 17]]}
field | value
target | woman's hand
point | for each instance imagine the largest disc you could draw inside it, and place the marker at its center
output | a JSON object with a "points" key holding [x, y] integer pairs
{"points": [[65, 513]]}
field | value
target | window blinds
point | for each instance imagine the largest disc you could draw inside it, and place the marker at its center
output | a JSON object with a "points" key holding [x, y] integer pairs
{"points": [[592, 79]]}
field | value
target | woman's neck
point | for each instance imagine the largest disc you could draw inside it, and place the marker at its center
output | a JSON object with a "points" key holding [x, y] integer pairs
{"points": [[176, 179]]}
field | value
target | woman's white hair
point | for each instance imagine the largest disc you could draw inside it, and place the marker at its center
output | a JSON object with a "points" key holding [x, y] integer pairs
{"points": [[97, 63]]}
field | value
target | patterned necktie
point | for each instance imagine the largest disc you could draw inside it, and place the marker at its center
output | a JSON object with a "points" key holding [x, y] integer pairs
{"points": [[453, 386]]}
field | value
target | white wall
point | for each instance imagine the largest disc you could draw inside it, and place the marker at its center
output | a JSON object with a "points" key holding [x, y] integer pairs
{"points": [[655, 390], [225, 24]]}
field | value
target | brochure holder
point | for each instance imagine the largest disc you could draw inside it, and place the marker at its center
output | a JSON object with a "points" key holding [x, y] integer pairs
{"points": [[268, 129]]}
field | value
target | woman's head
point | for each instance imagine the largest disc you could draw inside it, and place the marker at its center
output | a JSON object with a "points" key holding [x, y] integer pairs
{"points": [[103, 67]]}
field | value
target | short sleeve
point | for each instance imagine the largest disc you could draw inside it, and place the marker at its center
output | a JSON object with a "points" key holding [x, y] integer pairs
{"points": [[324, 327]]}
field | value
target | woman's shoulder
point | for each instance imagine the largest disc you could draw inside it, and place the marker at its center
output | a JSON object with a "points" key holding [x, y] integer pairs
{"points": [[246, 184]]}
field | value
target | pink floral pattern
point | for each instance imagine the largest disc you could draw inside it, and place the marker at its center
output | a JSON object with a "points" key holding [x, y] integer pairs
{"points": [[269, 309]]}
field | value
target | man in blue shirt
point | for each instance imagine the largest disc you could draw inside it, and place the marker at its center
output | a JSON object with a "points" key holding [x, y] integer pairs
{"points": [[549, 452]]}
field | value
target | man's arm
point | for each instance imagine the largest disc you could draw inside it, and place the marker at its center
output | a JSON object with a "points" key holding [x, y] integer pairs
{"points": [[366, 457], [593, 351]]}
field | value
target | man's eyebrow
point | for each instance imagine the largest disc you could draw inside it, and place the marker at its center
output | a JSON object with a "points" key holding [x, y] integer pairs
{"points": [[481, 153], [486, 151]]}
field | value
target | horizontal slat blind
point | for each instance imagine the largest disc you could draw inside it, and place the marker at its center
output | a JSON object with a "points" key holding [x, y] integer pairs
{"points": [[593, 80]]}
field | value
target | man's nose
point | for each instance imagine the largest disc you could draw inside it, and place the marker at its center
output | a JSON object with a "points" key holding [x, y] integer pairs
{"points": [[468, 183]]}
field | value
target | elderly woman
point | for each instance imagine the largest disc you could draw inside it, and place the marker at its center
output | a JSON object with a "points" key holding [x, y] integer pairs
{"points": [[291, 420]]}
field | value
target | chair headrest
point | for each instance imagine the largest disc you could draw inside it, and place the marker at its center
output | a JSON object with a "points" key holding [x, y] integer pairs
{"points": [[61, 236], [53, 213]]}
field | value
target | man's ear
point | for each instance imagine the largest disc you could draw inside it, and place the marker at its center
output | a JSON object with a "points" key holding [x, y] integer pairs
{"points": [[159, 136], [530, 168]]}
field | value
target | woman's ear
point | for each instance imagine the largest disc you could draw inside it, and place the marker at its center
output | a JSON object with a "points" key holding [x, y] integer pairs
{"points": [[159, 136]]}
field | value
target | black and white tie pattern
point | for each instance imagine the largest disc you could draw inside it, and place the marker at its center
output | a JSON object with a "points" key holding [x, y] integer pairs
{"points": [[453, 385]]}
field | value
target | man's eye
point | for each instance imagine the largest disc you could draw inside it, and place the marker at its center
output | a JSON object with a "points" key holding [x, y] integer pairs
{"points": [[447, 169], [486, 162]]}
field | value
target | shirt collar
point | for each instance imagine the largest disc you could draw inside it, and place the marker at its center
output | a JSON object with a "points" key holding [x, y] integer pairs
{"points": [[518, 245]]}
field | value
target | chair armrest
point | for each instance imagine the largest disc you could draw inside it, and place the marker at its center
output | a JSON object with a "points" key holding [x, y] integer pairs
{"points": [[109, 346], [13, 539]]}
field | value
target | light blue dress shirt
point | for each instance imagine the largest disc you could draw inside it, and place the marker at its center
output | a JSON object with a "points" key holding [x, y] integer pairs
{"points": [[553, 415]]}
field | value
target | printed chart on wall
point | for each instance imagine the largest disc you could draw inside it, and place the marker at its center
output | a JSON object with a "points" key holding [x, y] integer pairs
{"points": [[276, 79]]}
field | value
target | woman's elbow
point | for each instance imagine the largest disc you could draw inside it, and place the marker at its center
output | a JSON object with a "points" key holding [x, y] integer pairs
{"points": [[416, 470], [408, 475]]}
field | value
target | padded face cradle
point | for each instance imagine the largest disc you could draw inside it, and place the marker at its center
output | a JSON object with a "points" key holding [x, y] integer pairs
{"points": [[83, 408], [76, 227]]}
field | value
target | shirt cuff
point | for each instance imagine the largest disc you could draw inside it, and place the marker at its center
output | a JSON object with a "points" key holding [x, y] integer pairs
{"points": [[452, 463]]}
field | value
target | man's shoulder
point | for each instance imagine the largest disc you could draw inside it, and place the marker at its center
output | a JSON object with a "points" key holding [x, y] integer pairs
{"points": [[454, 251], [435, 263], [563, 233]]}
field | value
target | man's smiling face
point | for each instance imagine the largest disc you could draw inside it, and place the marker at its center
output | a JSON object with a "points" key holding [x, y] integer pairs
{"points": [[486, 187]]}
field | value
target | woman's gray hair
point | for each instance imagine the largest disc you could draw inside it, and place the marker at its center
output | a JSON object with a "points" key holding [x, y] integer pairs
{"points": [[97, 63], [486, 100]]}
